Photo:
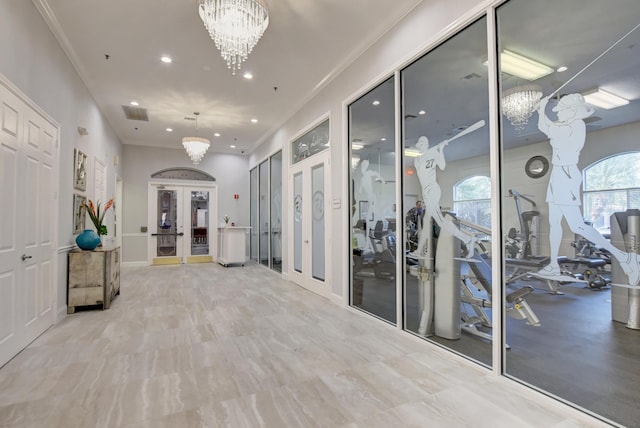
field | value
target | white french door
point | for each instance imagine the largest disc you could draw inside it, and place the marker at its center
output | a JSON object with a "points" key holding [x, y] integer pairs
{"points": [[182, 223], [28, 220], [309, 234]]}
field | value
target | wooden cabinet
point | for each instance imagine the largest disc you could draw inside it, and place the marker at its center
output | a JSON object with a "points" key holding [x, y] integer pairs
{"points": [[93, 278], [232, 245]]}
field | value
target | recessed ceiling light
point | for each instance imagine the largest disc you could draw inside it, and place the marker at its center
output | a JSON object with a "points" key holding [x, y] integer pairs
{"points": [[561, 69], [134, 103], [376, 103], [421, 112], [216, 134], [232, 146], [248, 75], [166, 59], [254, 120], [383, 139], [604, 99], [356, 146], [169, 129]]}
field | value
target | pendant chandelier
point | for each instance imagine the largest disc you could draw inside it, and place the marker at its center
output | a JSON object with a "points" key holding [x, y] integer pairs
{"points": [[519, 103], [235, 26], [196, 147]]}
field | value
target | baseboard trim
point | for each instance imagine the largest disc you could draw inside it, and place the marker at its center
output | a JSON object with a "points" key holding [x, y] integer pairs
{"points": [[134, 264], [62, 312]]}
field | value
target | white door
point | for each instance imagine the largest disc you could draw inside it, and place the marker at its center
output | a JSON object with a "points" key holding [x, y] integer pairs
{"points": [[28, 191], [310, 236], [181, 224]]}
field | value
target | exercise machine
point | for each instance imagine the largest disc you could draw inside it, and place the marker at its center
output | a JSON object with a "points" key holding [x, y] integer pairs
{"points": [[462, 297], [625, 299]]}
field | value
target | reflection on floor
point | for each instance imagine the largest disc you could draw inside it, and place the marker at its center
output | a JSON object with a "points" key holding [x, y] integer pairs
{"points": [[207, 346]]}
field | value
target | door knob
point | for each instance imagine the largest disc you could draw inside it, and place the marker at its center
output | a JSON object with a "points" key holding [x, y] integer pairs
{"points": [[25, 257]]}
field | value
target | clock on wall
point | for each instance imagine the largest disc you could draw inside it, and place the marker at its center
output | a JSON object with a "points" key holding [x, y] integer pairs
{"points": [[537, 166]]}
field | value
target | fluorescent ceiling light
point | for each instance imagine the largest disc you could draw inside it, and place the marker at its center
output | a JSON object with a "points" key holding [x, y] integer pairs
{"points": [[604, 99], [356, 146], [522, 67], [412, 153]]}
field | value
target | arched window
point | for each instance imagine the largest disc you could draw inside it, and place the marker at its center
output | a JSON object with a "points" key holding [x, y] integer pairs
{"points": [[611, 185], [472, 200]]}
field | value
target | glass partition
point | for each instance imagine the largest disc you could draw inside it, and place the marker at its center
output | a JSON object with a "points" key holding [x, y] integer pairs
{"points": [[447, 287], [253, 214], [263, 206], [297, 222], [276, 211], [317, 225], [570, 100], [373, 198]]}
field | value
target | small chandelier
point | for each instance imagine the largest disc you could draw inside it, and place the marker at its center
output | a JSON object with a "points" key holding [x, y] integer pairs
{"points": [[235, 26], [196, 147], [519, 103]]}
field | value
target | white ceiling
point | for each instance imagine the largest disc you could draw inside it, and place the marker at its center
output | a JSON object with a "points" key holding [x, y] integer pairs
{"points": [[307, 43]]}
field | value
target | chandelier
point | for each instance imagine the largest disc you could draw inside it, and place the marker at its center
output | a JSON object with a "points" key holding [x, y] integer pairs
{"points": [[235, 26], [196, 147], [518, 104]]}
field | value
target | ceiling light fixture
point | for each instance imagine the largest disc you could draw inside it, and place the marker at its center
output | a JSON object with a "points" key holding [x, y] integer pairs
{"points": [[248, 75], [376, 103], [134, 103], [412, 153], [235, 26], [166, 60], [169, 129], [522, 67], [518, 104], [216, 134], [421, 112], [254, 120], [603, 99], [196, 147], [356, 146]]}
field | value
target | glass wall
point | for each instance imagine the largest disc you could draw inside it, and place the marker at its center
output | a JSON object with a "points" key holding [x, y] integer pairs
{"points": [[253, 213], [570, 93], [263, 207], [373, 198], [276, 211], [447, 287]]}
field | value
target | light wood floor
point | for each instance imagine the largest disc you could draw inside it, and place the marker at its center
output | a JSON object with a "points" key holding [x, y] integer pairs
{"points": [[207, 346]]}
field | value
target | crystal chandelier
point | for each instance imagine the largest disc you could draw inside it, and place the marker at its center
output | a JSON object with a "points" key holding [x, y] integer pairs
{"points": [[518, 104], [235, 26], [196, 147]]}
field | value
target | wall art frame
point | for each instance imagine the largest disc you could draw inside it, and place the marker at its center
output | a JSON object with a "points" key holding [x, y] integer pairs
{"points": [[79, 170], [79, 212]]}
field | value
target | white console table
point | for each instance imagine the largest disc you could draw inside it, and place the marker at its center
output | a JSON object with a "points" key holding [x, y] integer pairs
{"points": [[232, 245]]}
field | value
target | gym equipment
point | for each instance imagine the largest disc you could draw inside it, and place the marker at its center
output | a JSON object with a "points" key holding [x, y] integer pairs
{"points": [[625, 300], [524, 244], [462, 296], [382, 257]]}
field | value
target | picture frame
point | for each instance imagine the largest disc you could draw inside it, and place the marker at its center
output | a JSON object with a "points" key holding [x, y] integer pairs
{"points": [[79, 212], [363, 207], [79, 170]]}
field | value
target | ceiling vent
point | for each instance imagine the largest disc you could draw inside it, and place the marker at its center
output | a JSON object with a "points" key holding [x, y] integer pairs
{"points": [[135, 113], [592, 119], [409, 116], [471, 76]]}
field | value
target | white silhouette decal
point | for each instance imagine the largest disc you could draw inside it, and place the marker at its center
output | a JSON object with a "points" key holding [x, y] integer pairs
{"points": [[567, 137], [366, 187], [426, 164]]}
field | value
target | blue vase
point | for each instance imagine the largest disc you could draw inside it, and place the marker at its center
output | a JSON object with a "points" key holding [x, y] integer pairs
{"points": [[88, 240]]}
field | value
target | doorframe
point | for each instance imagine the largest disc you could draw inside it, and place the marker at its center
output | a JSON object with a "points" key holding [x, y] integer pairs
{"points": [[213, 212], [306, 280]]}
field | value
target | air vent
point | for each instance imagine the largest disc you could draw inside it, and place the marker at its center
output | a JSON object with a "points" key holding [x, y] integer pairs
{"points": [[472, 76], [135, 113], [592, 119], [409, 116]]}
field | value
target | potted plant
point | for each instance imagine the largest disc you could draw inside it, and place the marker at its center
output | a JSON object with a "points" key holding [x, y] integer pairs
{"points": [[89, 240]]}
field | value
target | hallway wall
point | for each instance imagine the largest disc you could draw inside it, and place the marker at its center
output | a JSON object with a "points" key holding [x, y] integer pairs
{"points": [[230, 172], [33, 60]]}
